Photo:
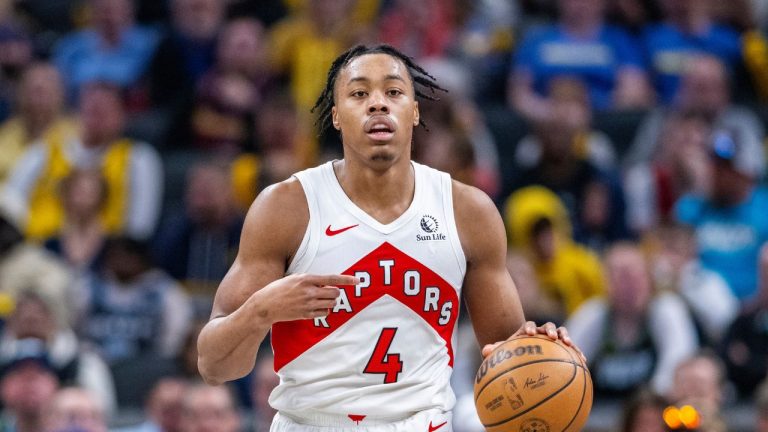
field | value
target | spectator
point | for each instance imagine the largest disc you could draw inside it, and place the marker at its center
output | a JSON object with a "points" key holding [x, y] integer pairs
{"points": [[186, 363], [570, 97], [676, 267], [185, 52], [688, 30], [679, 167], [537, 305], [266, 11], [448, 150], [700, 381], [420, 29], [113, 49], [567, 273], [187, 359], [746, 342], [634, 335], [729, 222], [458, 112], [580, 45], [81, 240], [741, 15], [229, 95], [209, 409], [27, 386], [484, 43], [34, 319], [198, 244], [306, 42], [593, 197], [39, 114], [132, 309], [283, 143], [633, 15], [163, 408], [704, 91], [264, 382], [16, 52], [24, 265], [133, 170], [75, 409], [761, 405], [643, 412]]}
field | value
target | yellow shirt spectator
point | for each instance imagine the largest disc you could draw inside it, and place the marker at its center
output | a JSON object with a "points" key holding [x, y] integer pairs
{"points": [[14, 140], [538, 225]]}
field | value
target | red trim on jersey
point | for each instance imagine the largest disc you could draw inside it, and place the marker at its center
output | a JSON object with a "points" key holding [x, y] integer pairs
{"points": [[356, 418], [290, 339]]}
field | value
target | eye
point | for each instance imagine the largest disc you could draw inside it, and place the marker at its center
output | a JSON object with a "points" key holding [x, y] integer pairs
{"points": [[359, 93], [394, 92]]}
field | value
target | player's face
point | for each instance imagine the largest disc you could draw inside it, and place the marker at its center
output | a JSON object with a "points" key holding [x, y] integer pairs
{"points": [[375, 108]]}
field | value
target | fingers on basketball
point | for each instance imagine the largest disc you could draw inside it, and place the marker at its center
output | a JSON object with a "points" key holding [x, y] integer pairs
{"points": [[533, 383]]}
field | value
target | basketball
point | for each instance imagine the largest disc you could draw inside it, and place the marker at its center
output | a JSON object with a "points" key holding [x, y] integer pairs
{"points": [[533, 384]]}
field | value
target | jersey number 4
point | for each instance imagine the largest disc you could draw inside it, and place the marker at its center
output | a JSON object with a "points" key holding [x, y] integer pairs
{"points": [[382, 362]]}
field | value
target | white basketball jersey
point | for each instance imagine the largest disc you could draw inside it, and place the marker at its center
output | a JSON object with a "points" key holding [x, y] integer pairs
{"points": [[387, 349]]}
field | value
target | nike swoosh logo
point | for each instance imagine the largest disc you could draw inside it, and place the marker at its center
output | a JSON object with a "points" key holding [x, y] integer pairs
{"points": [[331, 232], [434, 428]]}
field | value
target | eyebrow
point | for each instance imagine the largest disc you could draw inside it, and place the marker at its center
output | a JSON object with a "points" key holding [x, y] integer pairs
{"points": [[388, 77]]}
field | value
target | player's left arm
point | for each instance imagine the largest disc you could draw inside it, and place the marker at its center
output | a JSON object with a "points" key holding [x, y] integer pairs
{"points": [[489, 292]]}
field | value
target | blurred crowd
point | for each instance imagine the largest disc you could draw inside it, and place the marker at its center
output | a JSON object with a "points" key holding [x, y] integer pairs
{"points": [[622, 140]]}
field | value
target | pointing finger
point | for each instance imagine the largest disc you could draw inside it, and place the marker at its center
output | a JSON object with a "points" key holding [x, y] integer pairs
{"points": [[326, 292], [321, 280]]}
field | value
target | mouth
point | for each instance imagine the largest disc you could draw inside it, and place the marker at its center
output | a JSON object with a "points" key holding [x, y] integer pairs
{"points": [[380, 128]]}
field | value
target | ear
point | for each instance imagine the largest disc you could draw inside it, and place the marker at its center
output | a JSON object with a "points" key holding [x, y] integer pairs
{"points": [[335, 118], [415, 113]]}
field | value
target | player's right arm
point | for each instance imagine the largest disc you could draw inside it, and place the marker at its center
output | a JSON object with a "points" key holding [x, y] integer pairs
{"points": [[255, 293]]}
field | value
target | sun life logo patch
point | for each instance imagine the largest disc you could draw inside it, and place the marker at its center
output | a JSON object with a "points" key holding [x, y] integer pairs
{"points": [[429, 225]]}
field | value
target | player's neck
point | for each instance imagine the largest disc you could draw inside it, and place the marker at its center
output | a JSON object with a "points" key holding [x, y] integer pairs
{"points": [[384, 195]]}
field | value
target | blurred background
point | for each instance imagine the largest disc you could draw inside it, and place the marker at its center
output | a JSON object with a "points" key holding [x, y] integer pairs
{"points": [[622, 140]]}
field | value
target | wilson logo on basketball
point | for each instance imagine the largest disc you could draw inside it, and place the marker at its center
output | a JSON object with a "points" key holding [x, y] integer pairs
{"points": [[498, 357]]}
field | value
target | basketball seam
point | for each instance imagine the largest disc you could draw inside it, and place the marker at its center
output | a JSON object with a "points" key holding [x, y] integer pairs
{"points": [[524, 364], [581, 402], [573, 377], [490, 380]]}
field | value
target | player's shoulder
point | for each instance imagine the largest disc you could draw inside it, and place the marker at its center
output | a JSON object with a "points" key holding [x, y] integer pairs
{"points": [[279, 208], [284, 192], [477, 219], [469, 199]]}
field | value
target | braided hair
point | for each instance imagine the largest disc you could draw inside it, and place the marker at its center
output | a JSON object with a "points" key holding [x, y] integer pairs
{"points": [[424, 84]]}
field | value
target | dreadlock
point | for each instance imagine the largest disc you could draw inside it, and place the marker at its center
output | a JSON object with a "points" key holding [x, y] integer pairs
{"points": [[420, 77]]}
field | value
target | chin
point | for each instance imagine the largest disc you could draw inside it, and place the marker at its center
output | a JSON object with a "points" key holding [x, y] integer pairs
{"points": [[380, 157]]}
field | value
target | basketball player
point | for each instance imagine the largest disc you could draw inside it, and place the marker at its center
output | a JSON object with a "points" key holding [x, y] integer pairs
{"points": [[357, 267]]}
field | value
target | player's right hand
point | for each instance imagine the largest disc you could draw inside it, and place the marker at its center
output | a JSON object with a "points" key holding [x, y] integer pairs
{"points": [[300, 296]]}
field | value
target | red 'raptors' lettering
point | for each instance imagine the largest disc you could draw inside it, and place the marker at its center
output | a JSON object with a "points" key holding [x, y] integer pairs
{"points": [[385, 271], [382, 362]]}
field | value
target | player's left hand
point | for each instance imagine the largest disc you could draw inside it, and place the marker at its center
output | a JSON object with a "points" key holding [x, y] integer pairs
{"points": [[531, 329]]}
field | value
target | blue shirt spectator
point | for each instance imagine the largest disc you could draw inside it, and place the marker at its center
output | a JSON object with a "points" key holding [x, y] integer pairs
{"points": [[113, 49], [668, 48], [731, 223], [82, 57], [552, 52], [729, 237]]}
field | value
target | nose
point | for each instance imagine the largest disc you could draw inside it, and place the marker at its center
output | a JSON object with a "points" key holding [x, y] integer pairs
{"points": [[378, 104]]}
